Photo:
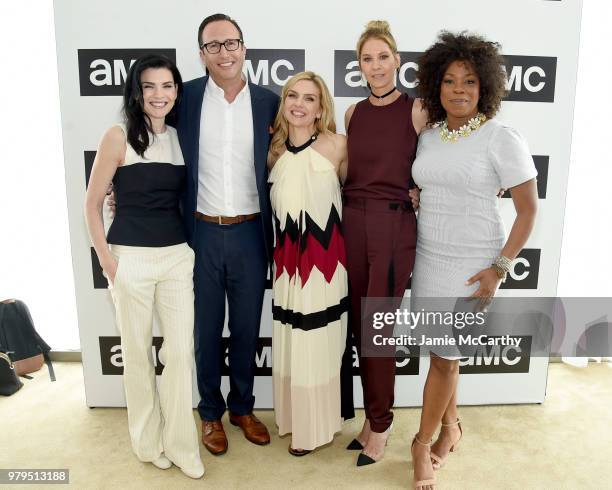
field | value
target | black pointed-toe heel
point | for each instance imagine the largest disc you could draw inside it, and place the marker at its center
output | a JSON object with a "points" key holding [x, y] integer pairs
{"points": [[364, 460], [355, 445]]}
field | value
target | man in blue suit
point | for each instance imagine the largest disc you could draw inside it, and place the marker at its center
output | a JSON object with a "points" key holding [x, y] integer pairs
{"points": [[223, 123]]}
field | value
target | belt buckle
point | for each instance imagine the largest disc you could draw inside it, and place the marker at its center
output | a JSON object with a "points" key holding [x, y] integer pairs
{"points": [[220, 221]]}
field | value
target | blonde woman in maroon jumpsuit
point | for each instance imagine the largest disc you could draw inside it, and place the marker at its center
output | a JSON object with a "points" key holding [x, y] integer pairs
{"points": [[379, 221]]}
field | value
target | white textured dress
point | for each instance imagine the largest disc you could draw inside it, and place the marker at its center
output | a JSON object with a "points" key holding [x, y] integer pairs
{"points": [[459, 227]]}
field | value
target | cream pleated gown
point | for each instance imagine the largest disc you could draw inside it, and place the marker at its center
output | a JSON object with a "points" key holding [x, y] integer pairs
{"points": [[310, 297]]}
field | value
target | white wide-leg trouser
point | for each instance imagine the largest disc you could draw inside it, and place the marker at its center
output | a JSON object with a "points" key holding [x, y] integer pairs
{"points": [[160, 421]]}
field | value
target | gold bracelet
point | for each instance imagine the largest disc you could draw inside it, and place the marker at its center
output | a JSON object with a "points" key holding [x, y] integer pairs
{"points": [[501, 273], [503, 262]]}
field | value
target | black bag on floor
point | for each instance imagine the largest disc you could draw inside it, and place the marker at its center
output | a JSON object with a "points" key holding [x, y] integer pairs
{"points": [[9, 381], [20, 340]]}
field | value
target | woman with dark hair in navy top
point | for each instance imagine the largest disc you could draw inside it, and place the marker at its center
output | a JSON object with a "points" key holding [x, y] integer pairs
{"points": [[149, 265]]}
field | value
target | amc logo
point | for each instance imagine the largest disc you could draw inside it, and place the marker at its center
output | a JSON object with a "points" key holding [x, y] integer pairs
{"points": [[102, 71], [348, 81], [525, 270], [263, 357], [529, 78], [541, 164], [112, 360], [271, 68], [407, 361], [489, 359]]}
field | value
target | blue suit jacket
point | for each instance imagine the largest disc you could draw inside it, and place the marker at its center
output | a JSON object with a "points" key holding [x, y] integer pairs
{"points": [[264, 104]]}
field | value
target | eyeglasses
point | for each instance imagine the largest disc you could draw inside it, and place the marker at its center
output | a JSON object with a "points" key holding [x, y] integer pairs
{"points": [[214, 47]]}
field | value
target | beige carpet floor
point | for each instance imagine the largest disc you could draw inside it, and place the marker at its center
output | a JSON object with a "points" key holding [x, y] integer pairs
{"points": [[564, 443]]}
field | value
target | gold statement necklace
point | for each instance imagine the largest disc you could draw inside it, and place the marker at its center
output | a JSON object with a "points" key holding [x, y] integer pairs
{"points": [[464, 131]]}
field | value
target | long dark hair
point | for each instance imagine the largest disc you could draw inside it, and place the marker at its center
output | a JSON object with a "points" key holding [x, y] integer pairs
{"points": [[137, 121]]}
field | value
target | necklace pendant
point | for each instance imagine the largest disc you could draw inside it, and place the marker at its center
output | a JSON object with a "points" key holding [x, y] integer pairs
{"points": [[381, 97], [296, 149]]}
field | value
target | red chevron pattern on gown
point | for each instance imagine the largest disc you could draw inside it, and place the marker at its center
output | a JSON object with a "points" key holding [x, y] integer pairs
{"points": [[301, 251]]}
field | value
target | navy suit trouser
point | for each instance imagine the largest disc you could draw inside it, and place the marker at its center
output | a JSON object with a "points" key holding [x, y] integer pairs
{"points": [[230, 262]]}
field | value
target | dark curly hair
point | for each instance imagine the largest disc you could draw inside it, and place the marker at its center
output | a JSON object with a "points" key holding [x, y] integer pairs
{"points": [[482, 55]]}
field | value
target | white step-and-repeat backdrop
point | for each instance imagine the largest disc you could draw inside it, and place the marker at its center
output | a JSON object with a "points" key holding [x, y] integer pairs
{"points": [[97, 42]]}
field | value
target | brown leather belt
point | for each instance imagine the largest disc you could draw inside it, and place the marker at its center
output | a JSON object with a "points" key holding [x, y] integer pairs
{"points": [[226, 220]]}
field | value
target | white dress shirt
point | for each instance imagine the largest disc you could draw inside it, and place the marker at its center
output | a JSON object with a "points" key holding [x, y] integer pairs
{"points": [[226, 161]]}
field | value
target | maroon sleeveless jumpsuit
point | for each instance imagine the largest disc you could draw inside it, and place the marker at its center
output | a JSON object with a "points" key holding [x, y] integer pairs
{"points": [[380, 232]]}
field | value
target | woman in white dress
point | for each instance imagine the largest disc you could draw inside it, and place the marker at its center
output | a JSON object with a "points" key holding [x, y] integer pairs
{"points": [[462, 250]]}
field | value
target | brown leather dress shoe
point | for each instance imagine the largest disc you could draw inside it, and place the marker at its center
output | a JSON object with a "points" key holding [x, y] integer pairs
{"points": [[213, 437], [254, 430]]}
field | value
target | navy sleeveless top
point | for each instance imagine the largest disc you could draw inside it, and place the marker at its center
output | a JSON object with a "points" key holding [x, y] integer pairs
{"points": [[147, 195]]}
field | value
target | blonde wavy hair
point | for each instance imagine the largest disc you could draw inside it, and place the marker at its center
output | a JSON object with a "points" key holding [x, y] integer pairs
{"points": [[325, 124], [376, 29]]}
